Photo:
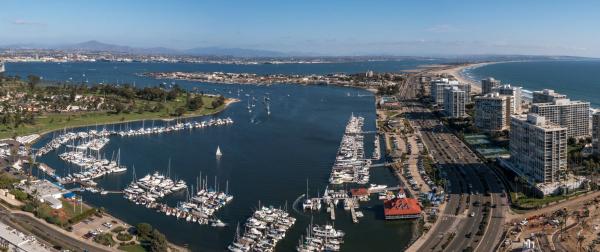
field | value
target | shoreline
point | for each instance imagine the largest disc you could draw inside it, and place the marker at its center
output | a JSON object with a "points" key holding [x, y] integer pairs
{"points": [[228, 102], [172, 245], [457, 72]]}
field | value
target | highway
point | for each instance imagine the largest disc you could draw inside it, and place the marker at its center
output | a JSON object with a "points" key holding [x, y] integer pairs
{"points": [[471, 185]]}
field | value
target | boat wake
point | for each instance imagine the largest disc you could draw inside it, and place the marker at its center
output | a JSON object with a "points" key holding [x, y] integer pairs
{"points": [[297, 203]]}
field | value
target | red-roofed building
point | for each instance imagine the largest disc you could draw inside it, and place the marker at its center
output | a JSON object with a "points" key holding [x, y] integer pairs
{"points": [[401, 208], [359, 192]]}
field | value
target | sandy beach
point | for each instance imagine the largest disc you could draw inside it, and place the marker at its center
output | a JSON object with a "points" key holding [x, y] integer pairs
{"points": [[456, 72]]}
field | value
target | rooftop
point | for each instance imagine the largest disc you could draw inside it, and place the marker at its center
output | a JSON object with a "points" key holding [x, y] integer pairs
{"points": [[401, 206]]}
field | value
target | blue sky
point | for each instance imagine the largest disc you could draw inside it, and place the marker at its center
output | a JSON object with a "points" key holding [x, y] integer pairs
{"points": [[331, 27]]}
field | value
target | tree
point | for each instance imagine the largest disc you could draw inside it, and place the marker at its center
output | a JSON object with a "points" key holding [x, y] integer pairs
{"points": [[195, 103], [32, 81], [144, 230], [119, 107], [158, 242], [179, 111], [572, 141]]}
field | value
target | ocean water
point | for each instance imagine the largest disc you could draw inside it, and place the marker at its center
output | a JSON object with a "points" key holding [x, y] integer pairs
{"points": [[267, 159], [577, 79]]}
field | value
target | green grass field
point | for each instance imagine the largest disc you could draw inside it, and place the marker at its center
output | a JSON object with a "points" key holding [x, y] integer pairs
{"points": [[526, 202], [132, 248], [55, 121]]}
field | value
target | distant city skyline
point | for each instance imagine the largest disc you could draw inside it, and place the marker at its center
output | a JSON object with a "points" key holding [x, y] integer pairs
{"points": [[319, 27]]}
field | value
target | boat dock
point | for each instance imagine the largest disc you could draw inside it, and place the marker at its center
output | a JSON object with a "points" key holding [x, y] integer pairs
{"points": [[331, 210], [47, 169], [353, 211]]}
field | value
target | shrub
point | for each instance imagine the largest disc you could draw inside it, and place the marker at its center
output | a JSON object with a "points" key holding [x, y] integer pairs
{"points": [[118, 229], [124, 237]]}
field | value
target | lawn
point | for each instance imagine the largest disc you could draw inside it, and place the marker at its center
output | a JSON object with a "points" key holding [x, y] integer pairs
{"points": [[132, 248], [55, 121], [526, 202]]}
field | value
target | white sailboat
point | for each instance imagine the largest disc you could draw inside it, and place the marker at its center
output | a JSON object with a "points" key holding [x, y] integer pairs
{"points": [[219, 154]]}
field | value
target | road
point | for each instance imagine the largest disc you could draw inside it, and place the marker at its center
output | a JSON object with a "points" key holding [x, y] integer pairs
{"points": [[471, 185], [29, 224]]}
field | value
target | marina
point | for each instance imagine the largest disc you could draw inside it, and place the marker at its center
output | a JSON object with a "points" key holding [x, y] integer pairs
{"points": [[256, 159], [152, 187], [321, 238], [90, 167], [350, 164], [266, 227], [96, 140]]}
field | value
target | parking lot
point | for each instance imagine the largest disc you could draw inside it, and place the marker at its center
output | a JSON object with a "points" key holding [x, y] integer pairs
{"points": [[95, 225]]}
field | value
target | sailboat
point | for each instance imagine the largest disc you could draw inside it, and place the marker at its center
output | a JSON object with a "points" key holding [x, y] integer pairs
{"points": [[307, 205], [219, 154]]}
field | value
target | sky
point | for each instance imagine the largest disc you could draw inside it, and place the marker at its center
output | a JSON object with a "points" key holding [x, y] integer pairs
{"points": [[327, 27]]}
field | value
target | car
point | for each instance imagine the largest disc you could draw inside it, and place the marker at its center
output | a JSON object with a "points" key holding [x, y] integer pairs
{"points": [[472, 214]]}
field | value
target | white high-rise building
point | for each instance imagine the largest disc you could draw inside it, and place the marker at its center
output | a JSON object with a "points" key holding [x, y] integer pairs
{"points": [[488, 84], [573, 115], [2, 69], [438, 86], [538, 148], [515, 92], [467, 89], [546, 95], [596, 133], [454, 102], [493, 111]]}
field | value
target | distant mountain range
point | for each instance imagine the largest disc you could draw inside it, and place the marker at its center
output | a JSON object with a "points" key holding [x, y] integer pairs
{"points": [[97, 46]]}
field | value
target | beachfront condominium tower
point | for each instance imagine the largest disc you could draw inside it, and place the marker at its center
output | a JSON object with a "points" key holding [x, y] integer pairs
{"points": [[596, 133], [573, 115], [515, 92], [488, 84], [493, 111], [546, 95], [454, 102], [538, 148], [438, 86], [2, 67]]}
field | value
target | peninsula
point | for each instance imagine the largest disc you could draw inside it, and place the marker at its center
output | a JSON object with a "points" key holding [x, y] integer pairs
{"points": [[33, 107]]}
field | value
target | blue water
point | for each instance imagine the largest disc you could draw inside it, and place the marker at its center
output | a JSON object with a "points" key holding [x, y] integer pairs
{"points": [[266, 158], [577, 79], [111, 72]]}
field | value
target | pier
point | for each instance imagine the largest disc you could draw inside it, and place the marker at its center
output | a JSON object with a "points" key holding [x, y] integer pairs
{"points": [[352, 211], [332, 211]]}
